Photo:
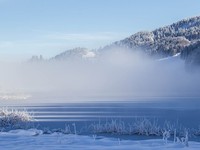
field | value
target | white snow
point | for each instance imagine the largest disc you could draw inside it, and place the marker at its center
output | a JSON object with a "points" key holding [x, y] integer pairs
{"points": [[34, 139], [176, 56], [89, 54]]}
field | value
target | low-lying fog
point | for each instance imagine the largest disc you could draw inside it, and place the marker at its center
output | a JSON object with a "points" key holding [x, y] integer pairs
{"points": [[113, 75]]}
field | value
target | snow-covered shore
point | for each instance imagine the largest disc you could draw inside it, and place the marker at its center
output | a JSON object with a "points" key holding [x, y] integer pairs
{"points": [[35, 139]]}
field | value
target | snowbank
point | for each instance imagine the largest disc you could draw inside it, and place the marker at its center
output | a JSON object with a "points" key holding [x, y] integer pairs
{"points": [[34, 139]]}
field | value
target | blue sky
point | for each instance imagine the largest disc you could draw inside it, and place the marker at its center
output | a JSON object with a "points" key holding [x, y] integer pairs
{"points": [[47, 27]]}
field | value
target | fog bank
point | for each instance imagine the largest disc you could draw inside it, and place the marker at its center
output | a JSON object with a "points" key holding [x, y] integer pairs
{"points": [[116, 74]]}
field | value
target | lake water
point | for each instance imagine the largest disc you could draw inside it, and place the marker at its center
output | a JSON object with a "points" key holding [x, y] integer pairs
{"points": [[184, 112]]}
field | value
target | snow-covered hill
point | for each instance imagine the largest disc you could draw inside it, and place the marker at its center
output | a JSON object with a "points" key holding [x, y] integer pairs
{"points": [[75, 53], [161, 43], [165, 41]]}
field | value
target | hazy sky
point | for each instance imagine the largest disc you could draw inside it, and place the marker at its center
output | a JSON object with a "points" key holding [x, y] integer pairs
{"points": [[47, 27]]}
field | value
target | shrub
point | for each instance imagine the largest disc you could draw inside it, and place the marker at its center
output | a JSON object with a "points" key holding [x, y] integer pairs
{"points": [[13, 119]]}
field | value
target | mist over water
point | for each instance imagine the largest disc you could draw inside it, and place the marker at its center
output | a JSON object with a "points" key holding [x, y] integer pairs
{"points": [[116, 74]]}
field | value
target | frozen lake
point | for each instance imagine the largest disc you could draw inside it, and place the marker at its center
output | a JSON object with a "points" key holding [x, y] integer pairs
{"points": [[182, 112]]}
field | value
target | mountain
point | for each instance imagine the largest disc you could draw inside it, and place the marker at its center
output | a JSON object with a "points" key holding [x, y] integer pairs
{"points": [[180, 37], [76, 53], [165, 41]]}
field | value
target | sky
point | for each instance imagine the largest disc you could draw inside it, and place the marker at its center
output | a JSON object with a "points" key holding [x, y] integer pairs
{"points": [[48, 27]]}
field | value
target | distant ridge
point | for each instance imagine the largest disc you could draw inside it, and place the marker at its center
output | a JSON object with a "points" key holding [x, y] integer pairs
{"points": [[165, 41], [160, 43]]}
